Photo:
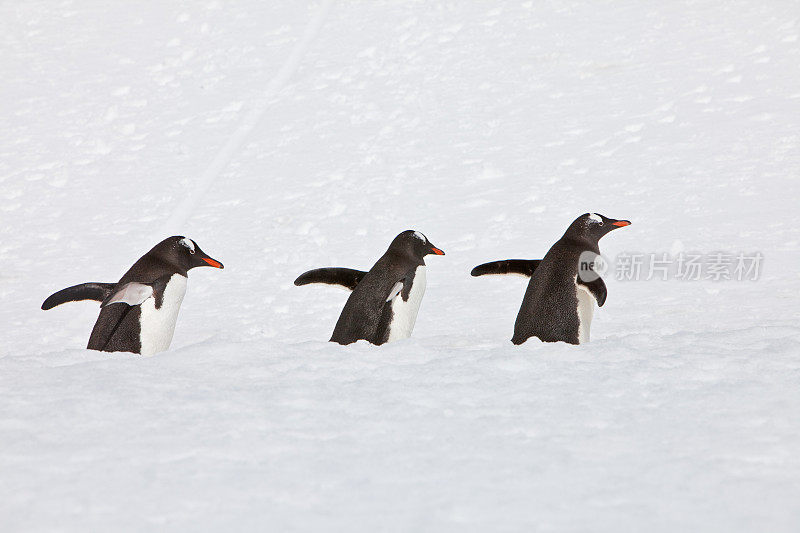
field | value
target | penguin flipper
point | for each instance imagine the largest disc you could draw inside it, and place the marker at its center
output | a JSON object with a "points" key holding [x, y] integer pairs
{"points": [[523, 267], [132, 293], [346, 277], [395, 290], [597, 288], [85, 291], [401, 287]]}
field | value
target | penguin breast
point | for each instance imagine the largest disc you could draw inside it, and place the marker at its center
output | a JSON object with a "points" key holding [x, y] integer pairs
{"points": [[404, 311], [586, 302], [157, 324]]}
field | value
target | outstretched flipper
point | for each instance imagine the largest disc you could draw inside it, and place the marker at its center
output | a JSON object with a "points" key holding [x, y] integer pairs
{"points": [[597, 288], [346, 277], [522, 267], [135, 293], [85, 291], [132, 293]]}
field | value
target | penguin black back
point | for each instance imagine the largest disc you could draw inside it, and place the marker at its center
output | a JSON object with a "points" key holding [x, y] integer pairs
{"points": [[550, 307], [384, 302], [120, 327], [368, 312]]}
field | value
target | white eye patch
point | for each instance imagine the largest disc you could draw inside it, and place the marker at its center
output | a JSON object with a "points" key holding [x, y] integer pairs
{"points": [[420, 236], [189, 243], [595, 217]]}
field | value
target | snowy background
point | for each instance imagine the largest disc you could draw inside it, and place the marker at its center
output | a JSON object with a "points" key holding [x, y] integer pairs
{"points": [[284, 136]]}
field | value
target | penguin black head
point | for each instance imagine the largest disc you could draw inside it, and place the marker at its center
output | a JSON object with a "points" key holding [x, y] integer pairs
{"points": [[182, 253], [414, 244], [591, 227]]}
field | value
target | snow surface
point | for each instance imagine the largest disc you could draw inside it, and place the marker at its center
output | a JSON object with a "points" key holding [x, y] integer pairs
{"points": [[284, 136]]}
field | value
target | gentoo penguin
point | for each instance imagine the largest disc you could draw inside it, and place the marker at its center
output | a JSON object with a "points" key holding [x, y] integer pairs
{"points": [[384, 303], [138, 313], [563, 287]]}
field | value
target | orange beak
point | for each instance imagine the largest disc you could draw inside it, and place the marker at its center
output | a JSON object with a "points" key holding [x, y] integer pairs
{"points": [[436, 250], [621, 223], [212, 262]]}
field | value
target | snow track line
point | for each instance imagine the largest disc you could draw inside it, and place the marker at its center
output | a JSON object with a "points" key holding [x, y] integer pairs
{"points": [[250, 121]]}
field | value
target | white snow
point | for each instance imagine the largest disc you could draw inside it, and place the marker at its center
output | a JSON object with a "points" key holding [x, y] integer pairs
{"points": [[285, 136]]}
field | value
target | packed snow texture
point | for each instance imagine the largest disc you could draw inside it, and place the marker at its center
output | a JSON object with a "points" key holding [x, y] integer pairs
{"points": [[284, 136]]}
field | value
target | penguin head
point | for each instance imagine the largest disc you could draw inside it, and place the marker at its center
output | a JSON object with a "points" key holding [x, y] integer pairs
{"points": [[183, 253], [414, 244], [591, 227]]}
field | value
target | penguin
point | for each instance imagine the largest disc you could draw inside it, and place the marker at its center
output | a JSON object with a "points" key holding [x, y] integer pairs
{"points": [[384, 302], [138, 313], [564, 286]]}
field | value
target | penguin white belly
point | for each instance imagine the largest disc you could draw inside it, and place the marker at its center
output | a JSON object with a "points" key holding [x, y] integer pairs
{"points": [[158, 325], [404, 312], [586, 301]]}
